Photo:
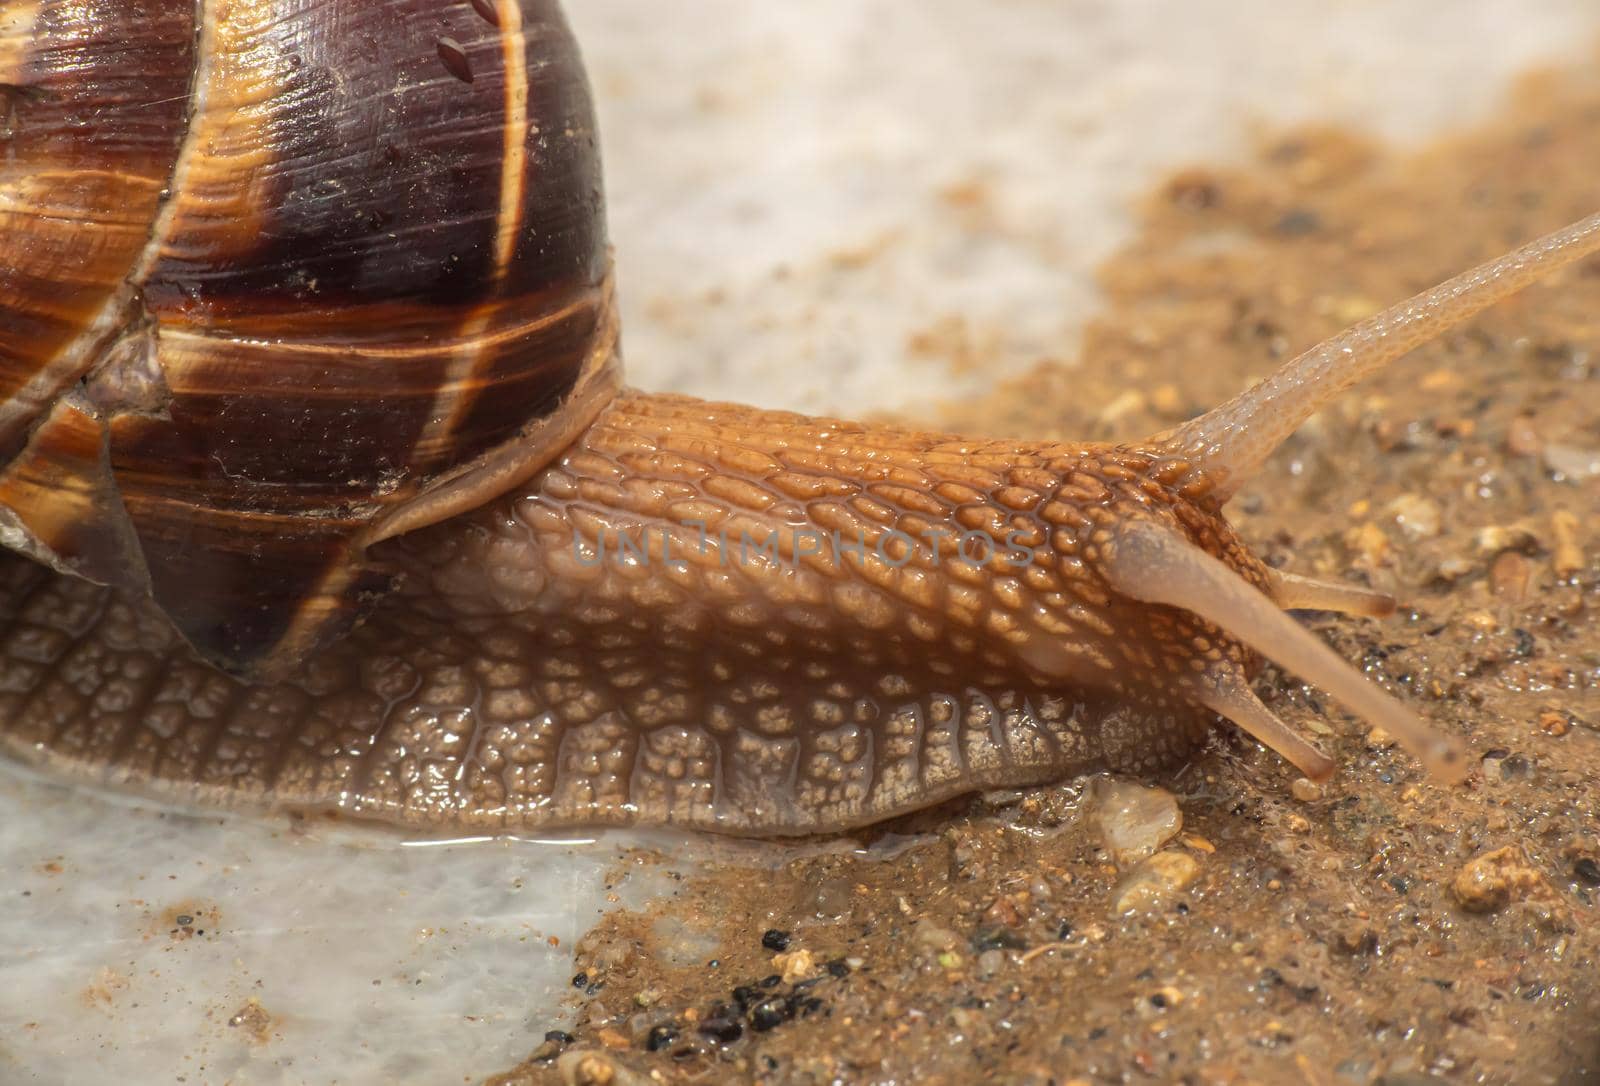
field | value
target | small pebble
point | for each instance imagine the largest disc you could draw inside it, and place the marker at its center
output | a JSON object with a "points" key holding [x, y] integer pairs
{"points": [[722, 1027], [796, 965], [1305, 790], [1554, 722], [1490, 541], [1587, 868], [1567, 555], [1418, 517], [1491, 880], [1571, 462], [1452, 568], [1159, 1001], [933, 937], [769, 1014], [1367, 544], [774, 939], [1134, 820], [1151, 884], [1509, 576], [1356, 937], [586, 1068]]}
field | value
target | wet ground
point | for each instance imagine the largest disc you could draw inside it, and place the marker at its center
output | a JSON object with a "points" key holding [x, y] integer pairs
{"points": [[1379, 928]]}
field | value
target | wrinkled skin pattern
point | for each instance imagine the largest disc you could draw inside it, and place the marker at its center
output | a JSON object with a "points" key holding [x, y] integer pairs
{"points": [[535, 670]]}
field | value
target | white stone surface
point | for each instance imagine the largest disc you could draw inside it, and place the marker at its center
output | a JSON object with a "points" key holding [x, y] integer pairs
{"points": [[775, 169], [775, 172]]}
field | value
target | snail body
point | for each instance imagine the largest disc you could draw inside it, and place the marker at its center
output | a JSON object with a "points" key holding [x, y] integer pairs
{"points": [[328, 495]]}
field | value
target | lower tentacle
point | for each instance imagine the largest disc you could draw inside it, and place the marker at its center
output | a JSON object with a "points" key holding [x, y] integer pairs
{"points": [[1156, 564]]}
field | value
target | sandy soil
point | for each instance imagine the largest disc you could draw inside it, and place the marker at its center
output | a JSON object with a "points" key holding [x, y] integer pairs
{"points": [[1379, 928]]}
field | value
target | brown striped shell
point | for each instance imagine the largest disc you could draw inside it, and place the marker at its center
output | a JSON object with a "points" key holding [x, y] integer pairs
{"points": [[280, 277]]}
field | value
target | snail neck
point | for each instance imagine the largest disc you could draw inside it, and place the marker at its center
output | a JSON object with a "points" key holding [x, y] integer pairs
{"points": [[754, 526]]}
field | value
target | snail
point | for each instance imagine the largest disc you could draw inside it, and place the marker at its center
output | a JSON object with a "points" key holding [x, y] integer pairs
{"points": [[323, 490]]}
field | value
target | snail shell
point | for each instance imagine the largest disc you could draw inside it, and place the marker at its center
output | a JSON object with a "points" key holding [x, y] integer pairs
{"points": [[279, 283]]}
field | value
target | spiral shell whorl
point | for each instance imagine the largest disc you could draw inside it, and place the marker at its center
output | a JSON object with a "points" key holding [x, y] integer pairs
{"points": [[340, 251]]}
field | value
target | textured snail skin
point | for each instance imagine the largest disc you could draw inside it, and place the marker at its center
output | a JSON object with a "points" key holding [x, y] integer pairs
{"points": [[518, 681]]}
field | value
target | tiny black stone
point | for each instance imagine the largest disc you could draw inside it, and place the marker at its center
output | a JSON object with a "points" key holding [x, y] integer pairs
{"points": [[559, 1036], [660, 1037], [770, 1013], [772, 981], [774, 939], [1063, 929], [581, 980], [745, 994], [714, 963], [1588, 870], [1158, 1001], [185, 920], [839, 968], [1524, 642], [722, 1028]]}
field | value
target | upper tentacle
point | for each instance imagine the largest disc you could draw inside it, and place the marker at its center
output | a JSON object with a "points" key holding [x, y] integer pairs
{"points": [[1229, 443]]}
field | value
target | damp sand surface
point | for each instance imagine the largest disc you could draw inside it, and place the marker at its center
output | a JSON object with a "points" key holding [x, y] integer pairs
{"points": [[1228, 923]]}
